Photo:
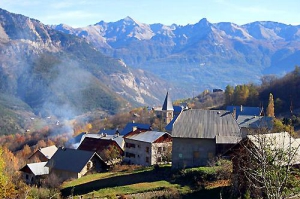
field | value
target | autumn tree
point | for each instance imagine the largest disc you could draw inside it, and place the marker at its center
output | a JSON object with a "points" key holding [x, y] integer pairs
{"points": [[229, 94], [111, 155], [241, 94], [7, 188], [270, 108]]}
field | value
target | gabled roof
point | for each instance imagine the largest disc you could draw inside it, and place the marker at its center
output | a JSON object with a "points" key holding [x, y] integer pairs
{"points": [[244, 110], [167, 106], [129, 126], [71, 159], [198, 123], [117, 138], [36, 168], [97, 144], [145, 136], [47, 151], [255, 122]]}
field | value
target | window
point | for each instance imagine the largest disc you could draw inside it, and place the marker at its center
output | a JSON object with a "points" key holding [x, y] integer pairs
{"points": [[129, 145], [196, 155], [159, 149], [89, 165], [147, 159], [147, 149], [129, 155]]}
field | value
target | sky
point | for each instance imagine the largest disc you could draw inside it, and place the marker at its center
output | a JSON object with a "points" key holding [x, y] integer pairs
{"points": [[81, 13]]}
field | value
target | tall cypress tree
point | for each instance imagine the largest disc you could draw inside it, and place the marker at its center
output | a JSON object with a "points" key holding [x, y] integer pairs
{"points": [[270, 108]]}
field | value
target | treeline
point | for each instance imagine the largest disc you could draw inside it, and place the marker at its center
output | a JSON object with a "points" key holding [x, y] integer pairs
{"points": [[286, 92]]}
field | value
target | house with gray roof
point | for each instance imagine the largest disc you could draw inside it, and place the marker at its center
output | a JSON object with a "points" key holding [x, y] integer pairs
{"points": [[254, 124], [34, 173], [43, 154], [71, 163], [147, 147], [200, 135]]}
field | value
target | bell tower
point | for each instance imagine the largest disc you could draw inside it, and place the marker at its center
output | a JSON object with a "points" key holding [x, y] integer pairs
{"points": [[167, 110]]}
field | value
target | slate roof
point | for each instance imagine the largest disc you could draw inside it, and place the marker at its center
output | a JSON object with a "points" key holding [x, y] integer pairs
{"points": [[167, 106], [145, 136], [255, 122], [70, 159], [129, 126], [244, 110], [198, 123], [37, 168]]}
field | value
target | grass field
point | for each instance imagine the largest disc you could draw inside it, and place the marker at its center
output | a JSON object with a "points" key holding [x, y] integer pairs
{"points": [[149, 179]]}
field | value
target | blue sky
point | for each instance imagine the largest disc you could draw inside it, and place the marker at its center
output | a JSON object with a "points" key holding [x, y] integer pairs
{"points": [[80, 13]]}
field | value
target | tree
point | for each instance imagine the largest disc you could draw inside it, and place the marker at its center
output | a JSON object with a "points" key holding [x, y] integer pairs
{"points": [[111, 155], [7, 188], [241, 94], [270, 108], [264, 165], [229, 93]]}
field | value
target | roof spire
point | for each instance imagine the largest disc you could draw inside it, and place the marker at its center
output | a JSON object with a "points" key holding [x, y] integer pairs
{"points": [[167, 106]]}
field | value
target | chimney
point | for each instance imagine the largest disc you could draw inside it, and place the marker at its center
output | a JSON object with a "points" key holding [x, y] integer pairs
{"points": [[234, 113]]}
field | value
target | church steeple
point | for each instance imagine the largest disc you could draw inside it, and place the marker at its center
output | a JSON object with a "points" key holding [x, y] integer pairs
{"points": [[167, 110], [167, 106]]}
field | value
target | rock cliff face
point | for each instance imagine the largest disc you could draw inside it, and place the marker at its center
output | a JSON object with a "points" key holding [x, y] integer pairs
{"points": [[202, 55], [62, 74]]}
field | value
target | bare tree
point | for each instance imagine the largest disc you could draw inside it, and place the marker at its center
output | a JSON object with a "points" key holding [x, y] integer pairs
{"points": [[264, 165]]}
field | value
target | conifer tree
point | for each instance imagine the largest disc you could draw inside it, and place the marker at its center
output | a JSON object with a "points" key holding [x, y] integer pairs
{"points": [[270, 108]]}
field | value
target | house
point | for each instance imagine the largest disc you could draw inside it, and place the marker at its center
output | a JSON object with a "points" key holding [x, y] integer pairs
{"points": [[71, 163], [34, 173], [43, 154], [200, 135], [264, 151], [250, 124], [147, 147], [109, 147], [245, 110]]}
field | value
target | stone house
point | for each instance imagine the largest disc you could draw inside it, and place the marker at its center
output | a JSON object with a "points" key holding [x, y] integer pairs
{"points": [[72, 163], [201, 135], [147, 147]]}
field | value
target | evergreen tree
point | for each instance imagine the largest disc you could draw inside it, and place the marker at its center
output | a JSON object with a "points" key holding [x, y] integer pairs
{"points": [[270, 108]]}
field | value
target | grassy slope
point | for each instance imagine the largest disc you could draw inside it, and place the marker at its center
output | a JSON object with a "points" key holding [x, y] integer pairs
{"points": [[138, 181]]}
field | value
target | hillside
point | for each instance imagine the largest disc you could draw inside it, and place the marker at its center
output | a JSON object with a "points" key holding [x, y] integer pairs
{"points": [[53, 73], [205, 55]]}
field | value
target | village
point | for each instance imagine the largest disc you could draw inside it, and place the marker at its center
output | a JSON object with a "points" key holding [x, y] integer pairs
{"points": [[192, 138]]}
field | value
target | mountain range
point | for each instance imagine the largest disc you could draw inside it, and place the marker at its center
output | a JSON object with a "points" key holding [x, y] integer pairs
{"points": [[203, 55], [46, 73], [62, 71]]}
